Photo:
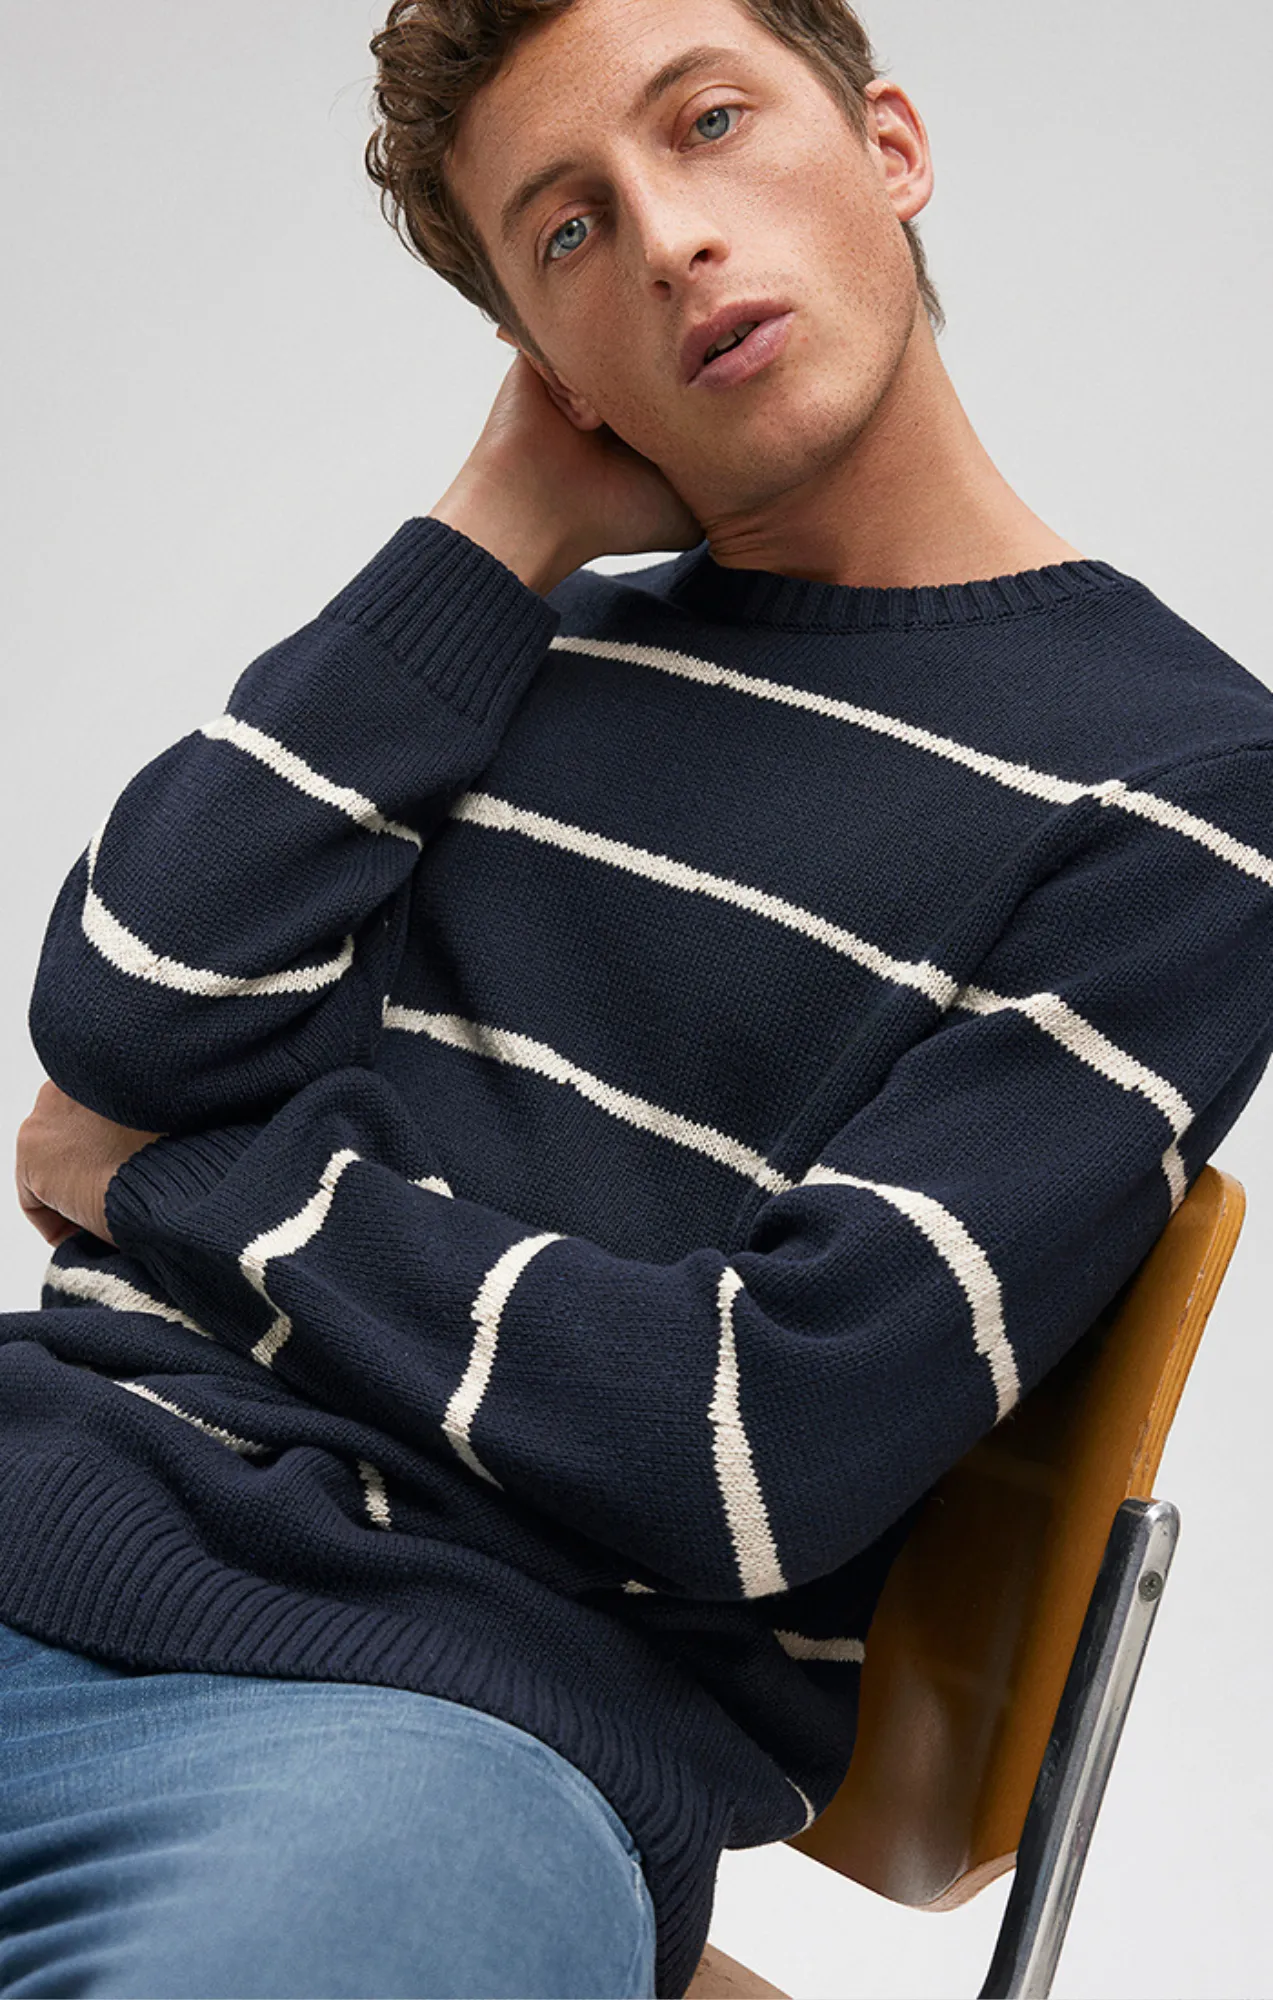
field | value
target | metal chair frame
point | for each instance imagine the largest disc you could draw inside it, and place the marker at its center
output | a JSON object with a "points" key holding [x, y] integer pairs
{"points": [[1080, 1752]]}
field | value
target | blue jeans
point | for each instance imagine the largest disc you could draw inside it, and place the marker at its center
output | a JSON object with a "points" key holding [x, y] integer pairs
{"points": [[182, 1834]]}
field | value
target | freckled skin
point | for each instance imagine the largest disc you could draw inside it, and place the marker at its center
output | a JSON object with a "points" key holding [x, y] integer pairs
{"points": [[850, 459]]}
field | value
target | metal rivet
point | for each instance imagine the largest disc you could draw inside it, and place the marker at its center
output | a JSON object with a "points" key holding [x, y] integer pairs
{"points": [[1151, 1584]]}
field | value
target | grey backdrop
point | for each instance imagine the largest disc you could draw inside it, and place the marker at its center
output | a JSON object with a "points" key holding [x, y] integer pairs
{"points": [[227, 383]]}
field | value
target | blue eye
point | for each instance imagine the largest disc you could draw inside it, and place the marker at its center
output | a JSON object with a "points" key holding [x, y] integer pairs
{"points": [[548, 254], [715, 112], [549, 250], [561, 233]]}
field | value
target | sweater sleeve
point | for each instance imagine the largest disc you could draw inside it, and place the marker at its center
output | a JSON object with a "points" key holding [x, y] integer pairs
{"points": [[231, 929], [748, 1418]]}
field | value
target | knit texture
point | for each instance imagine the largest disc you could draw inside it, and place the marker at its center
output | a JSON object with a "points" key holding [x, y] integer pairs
{"points": [[649, 1077]]}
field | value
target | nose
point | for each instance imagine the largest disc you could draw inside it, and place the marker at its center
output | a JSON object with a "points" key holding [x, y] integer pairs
{"points": [[675, 239]]}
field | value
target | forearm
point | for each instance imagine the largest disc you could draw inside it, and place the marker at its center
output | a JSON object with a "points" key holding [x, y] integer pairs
{"points": [[233, 928], [482, 506]]}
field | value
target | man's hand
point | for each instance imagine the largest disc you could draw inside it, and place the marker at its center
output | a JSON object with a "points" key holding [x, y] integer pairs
{"points": [[545, 493], [67, 1156]]}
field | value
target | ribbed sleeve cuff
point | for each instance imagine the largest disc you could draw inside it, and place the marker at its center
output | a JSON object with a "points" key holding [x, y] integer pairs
{"points": [[167, 1175], [451, 612]]}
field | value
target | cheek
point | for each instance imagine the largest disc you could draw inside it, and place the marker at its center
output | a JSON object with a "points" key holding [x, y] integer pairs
{"points": [[602, 362], [832, 212]]}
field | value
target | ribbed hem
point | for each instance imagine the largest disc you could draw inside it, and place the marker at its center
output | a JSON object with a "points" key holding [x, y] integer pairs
{"points": [[176, 1168], [452, 613], [762, 597], [111, 1574]]}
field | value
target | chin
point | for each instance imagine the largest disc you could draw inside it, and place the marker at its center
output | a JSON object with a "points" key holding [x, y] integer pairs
{"points": [[785, 450]]}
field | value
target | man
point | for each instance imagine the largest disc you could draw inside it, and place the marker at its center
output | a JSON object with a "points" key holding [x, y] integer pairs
{"points": [[576, 1099]]}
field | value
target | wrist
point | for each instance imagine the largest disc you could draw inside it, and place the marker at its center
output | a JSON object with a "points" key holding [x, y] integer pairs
{"points": [[99, 1223], [483, 507]]}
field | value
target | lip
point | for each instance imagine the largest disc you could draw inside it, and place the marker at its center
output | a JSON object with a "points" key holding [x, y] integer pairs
{"points": [[709, 331], [763, 344]]}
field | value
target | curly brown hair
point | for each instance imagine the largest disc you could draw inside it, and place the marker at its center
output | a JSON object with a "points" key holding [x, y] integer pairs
{"points": [[434, 55]]}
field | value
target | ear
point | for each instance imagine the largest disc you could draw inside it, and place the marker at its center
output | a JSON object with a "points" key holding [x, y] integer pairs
{"points": [[901, 148], [577, 408]]}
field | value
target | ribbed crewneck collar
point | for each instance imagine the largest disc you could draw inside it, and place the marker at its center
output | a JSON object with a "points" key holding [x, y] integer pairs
{"points": [[762, 597]]}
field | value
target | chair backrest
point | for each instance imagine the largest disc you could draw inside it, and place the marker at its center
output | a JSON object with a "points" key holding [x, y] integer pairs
{"points": [[974, 1633]]}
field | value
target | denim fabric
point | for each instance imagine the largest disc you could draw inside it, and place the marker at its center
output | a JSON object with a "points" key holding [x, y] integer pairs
{"points": [[173, 1834]]}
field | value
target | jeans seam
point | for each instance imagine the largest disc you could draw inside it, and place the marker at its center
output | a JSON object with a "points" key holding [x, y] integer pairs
{"points": [[590, 1792], [648, 1933]]}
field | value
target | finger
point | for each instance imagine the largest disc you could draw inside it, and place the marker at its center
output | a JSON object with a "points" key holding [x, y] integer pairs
{"points": [[54, 1228]]}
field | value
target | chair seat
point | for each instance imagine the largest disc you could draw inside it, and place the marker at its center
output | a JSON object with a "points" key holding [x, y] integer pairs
{"points": [[720, 1977]]}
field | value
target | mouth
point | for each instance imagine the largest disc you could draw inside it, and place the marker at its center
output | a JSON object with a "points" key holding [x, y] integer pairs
{"points": [[761, 344]]}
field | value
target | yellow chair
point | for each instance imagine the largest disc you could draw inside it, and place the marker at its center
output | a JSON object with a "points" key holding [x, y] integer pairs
{"points": [[1005, 1648]]}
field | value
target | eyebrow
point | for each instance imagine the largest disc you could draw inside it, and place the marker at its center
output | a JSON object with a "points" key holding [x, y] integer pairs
{"points": [[702, 56]]}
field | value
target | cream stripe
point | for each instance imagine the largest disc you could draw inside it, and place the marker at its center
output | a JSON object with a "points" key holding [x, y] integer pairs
{"points": [[281, 1241], [1020, 777], [286, 764], [746, 1514], [800, 1648], [247, 1447], [1056, 1018], [809, 1814], [296, 1230], [1049, 1012], [377, 1498], [745, 1511], [487, 1311], [108, 1290], [1147, 805], [968, 1262], [131, 954], [1017, 777], [522, 1052], [485, 809]]}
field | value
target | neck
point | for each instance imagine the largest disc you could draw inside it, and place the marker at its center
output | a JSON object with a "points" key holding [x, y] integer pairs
{"points": [[917, 500]]}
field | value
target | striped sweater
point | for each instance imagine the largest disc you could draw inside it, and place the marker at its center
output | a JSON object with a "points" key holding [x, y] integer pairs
{"points": [[649, 1076]]}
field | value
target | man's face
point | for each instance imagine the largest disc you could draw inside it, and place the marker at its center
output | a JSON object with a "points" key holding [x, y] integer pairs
{"points": [[743, 180]]}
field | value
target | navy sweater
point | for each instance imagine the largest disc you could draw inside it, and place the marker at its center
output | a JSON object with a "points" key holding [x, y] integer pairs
{"points": [[650, 1076]]}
